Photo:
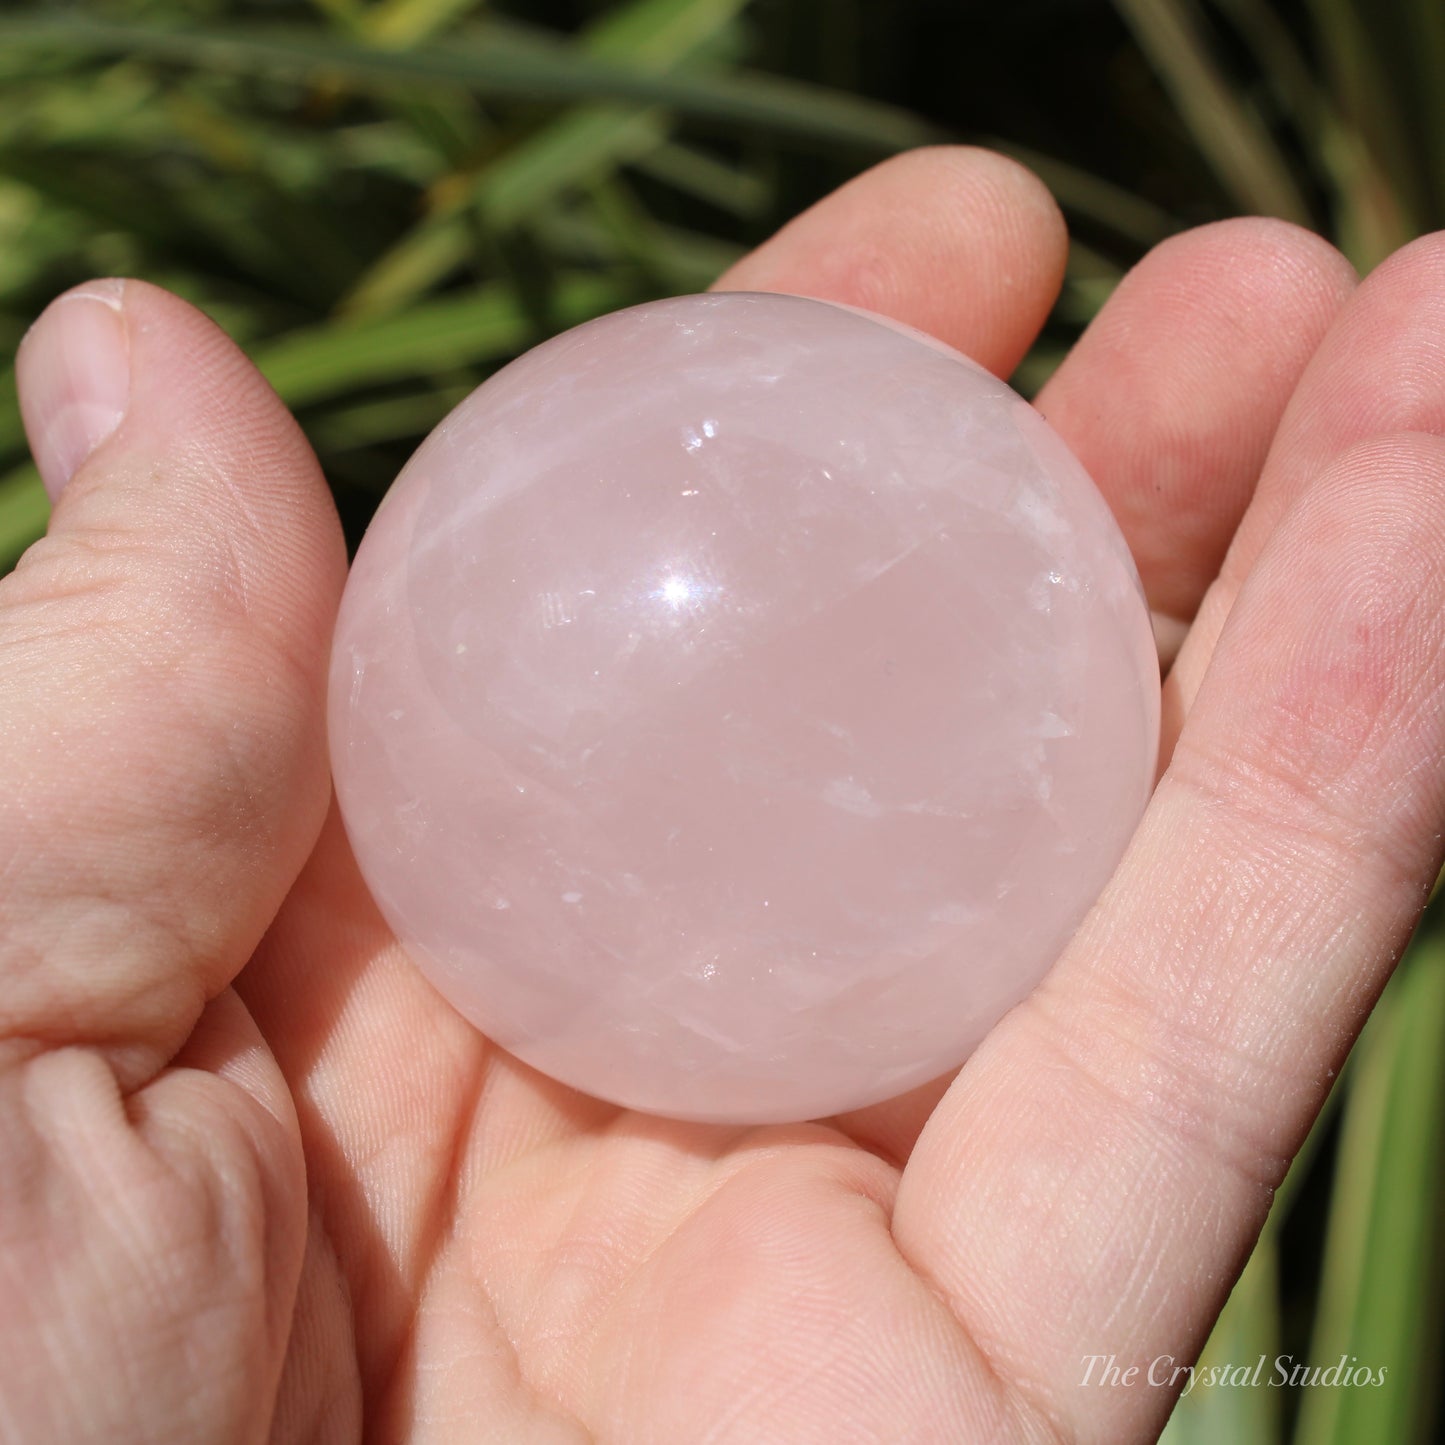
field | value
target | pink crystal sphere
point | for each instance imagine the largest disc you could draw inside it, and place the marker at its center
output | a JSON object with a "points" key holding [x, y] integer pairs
{"points": [[736, 704]]}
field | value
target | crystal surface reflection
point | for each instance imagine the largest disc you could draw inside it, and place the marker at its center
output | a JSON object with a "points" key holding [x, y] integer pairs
{"points": [[736, 704]]}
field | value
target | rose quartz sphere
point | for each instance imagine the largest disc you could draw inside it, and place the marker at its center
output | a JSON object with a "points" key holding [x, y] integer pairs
{"points": [[736, 704]]}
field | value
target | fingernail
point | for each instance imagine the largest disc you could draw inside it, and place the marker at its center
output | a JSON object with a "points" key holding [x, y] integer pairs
{"points": [[74, 374]]}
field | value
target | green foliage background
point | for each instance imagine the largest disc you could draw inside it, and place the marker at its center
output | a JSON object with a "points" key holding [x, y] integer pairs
{"points": [[383, 200]]}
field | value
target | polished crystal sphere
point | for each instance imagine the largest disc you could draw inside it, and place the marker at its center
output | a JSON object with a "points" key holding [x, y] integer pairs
{"points": [[736, 704]]}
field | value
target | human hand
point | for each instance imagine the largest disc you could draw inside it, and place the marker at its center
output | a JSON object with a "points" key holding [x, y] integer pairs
{"points": [[259, 1181]]}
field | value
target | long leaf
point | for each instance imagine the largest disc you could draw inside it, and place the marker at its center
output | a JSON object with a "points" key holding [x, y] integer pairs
{"points": [[404, 22], [499, 63], [1229, 134], [1248, 1328], [730, 188], [390, 419], [24, 508], [1380, 1295], [1085, 194], [651, 34], [12, 431], [1230, 1399], [1375, 154], [1368, 211], [459, 329]]}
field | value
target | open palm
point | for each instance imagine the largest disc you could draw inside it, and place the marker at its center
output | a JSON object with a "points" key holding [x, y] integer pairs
{"points": [[257, 1181]]}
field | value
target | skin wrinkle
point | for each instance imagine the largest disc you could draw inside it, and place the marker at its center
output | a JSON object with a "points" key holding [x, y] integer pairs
{"points": [[356, 1210], [230, 603], [541, 1391], [182, 935], [1063, 1302], [196, 1177], [538, 1398], [852, 1200], [1062, 1201], [738, 1179], [336, 1399], [1028, 1398], [1223, 781], [1144, 1265], [1225, 1040], [1172, 1083], [155, 1300], [1229, 905], [59, 1035], [106, 562], [37, 569], [227, 737], [443, 1219], [749, 1404], [580, 1194], [1027, 1404]]}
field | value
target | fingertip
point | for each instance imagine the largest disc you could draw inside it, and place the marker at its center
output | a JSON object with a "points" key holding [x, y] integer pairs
{"points": [[1277, 267], [206, 455], [1175, 392], [1311, 250], [978, 179], [73, 375], [1376, 371], [962, 243]]}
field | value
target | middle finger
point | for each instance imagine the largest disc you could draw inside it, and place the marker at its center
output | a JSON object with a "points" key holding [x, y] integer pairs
{"points": [[1172, 396]]}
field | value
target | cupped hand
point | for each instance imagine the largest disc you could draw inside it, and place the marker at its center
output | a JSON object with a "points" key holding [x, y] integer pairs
{"points": [[257, 1181]]}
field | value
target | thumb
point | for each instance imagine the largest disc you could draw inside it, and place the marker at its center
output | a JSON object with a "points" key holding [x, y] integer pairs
{"points": [[162, 759]]}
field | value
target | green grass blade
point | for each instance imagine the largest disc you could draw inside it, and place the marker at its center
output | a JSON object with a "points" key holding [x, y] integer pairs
{"points": [[653, 34], [1367, 211], [24, 510], [733, 189], [12, 430], [1089, 196], [459, 329], [500, 64], [1380, 1295], [569, 151], [1089, 281], [1375, 155], [1229, 134], [1231, 1401], [1033, 372], [1385, 57], [677, 260], [1428, 34], [340, 12], [1248, 1328], [387, 419], [428, 253], [577, 147], [1281, 61], [404, 22]]}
